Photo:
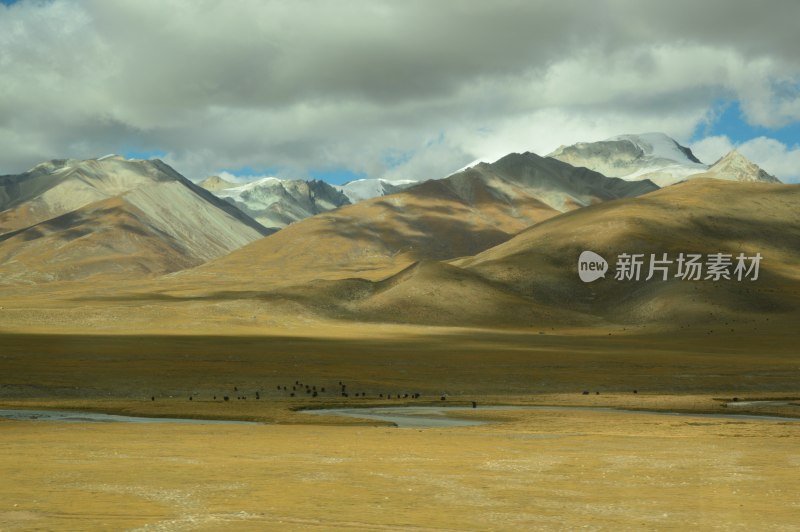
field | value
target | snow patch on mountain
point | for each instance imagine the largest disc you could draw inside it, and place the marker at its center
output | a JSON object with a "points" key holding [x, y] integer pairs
{"points": [[276, 203], [362, 189]]}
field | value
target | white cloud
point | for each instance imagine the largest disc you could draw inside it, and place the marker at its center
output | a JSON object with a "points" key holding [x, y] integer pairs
{"points": [[313, 85], [710, 149], [231, 178], [774, 157]]}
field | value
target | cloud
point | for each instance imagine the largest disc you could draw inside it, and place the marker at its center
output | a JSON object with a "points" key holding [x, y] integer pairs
{"points": [[774, 157], [315, 85], [710, 149]]}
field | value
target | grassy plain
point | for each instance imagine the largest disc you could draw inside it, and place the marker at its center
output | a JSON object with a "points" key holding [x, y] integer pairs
{"points": [[536, 471], [526, 470]]}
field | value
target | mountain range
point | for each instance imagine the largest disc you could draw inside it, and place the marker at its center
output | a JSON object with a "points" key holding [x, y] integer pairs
{"points": [[463, 214], [530, 280], [275, 203], [493, 245]]}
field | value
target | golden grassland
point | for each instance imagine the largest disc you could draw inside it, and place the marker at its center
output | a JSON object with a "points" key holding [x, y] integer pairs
{"points": [[146, 351], [542, 470], [526, 470], [397, 359]]}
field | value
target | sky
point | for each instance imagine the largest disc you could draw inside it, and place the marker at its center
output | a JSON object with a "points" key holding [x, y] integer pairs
{"points": [[345, 89]]}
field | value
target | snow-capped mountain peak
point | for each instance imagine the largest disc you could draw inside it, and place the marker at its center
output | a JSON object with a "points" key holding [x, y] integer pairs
{"points": [[275, 202], [653, 156], [252, 185], [660, 145]]}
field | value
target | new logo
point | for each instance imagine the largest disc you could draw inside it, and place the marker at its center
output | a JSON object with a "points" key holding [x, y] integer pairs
{"points": [[591, 266]]}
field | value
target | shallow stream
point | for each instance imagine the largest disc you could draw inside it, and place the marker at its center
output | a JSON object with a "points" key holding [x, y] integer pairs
{"points": [[68, 416], [399, 416], [437, 416]]}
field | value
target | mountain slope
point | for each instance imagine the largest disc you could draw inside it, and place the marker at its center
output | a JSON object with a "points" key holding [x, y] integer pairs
{"points": [[438, 219], [532, 279], [700, 216], [74, 219], [59, 186], [736, 167]]}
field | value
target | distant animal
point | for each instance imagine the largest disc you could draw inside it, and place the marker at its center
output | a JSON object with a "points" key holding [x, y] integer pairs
{"points": [[226, 398], [235, 389], [635, 391], [153, 398], [442, 398], [190, 397], [585, 392], [258, 396], [314, 394], [291, 394], [474, 404]]}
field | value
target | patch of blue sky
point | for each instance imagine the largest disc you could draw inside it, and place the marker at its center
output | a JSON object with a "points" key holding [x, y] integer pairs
{"points": [[336, 176], [730, 121]]}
